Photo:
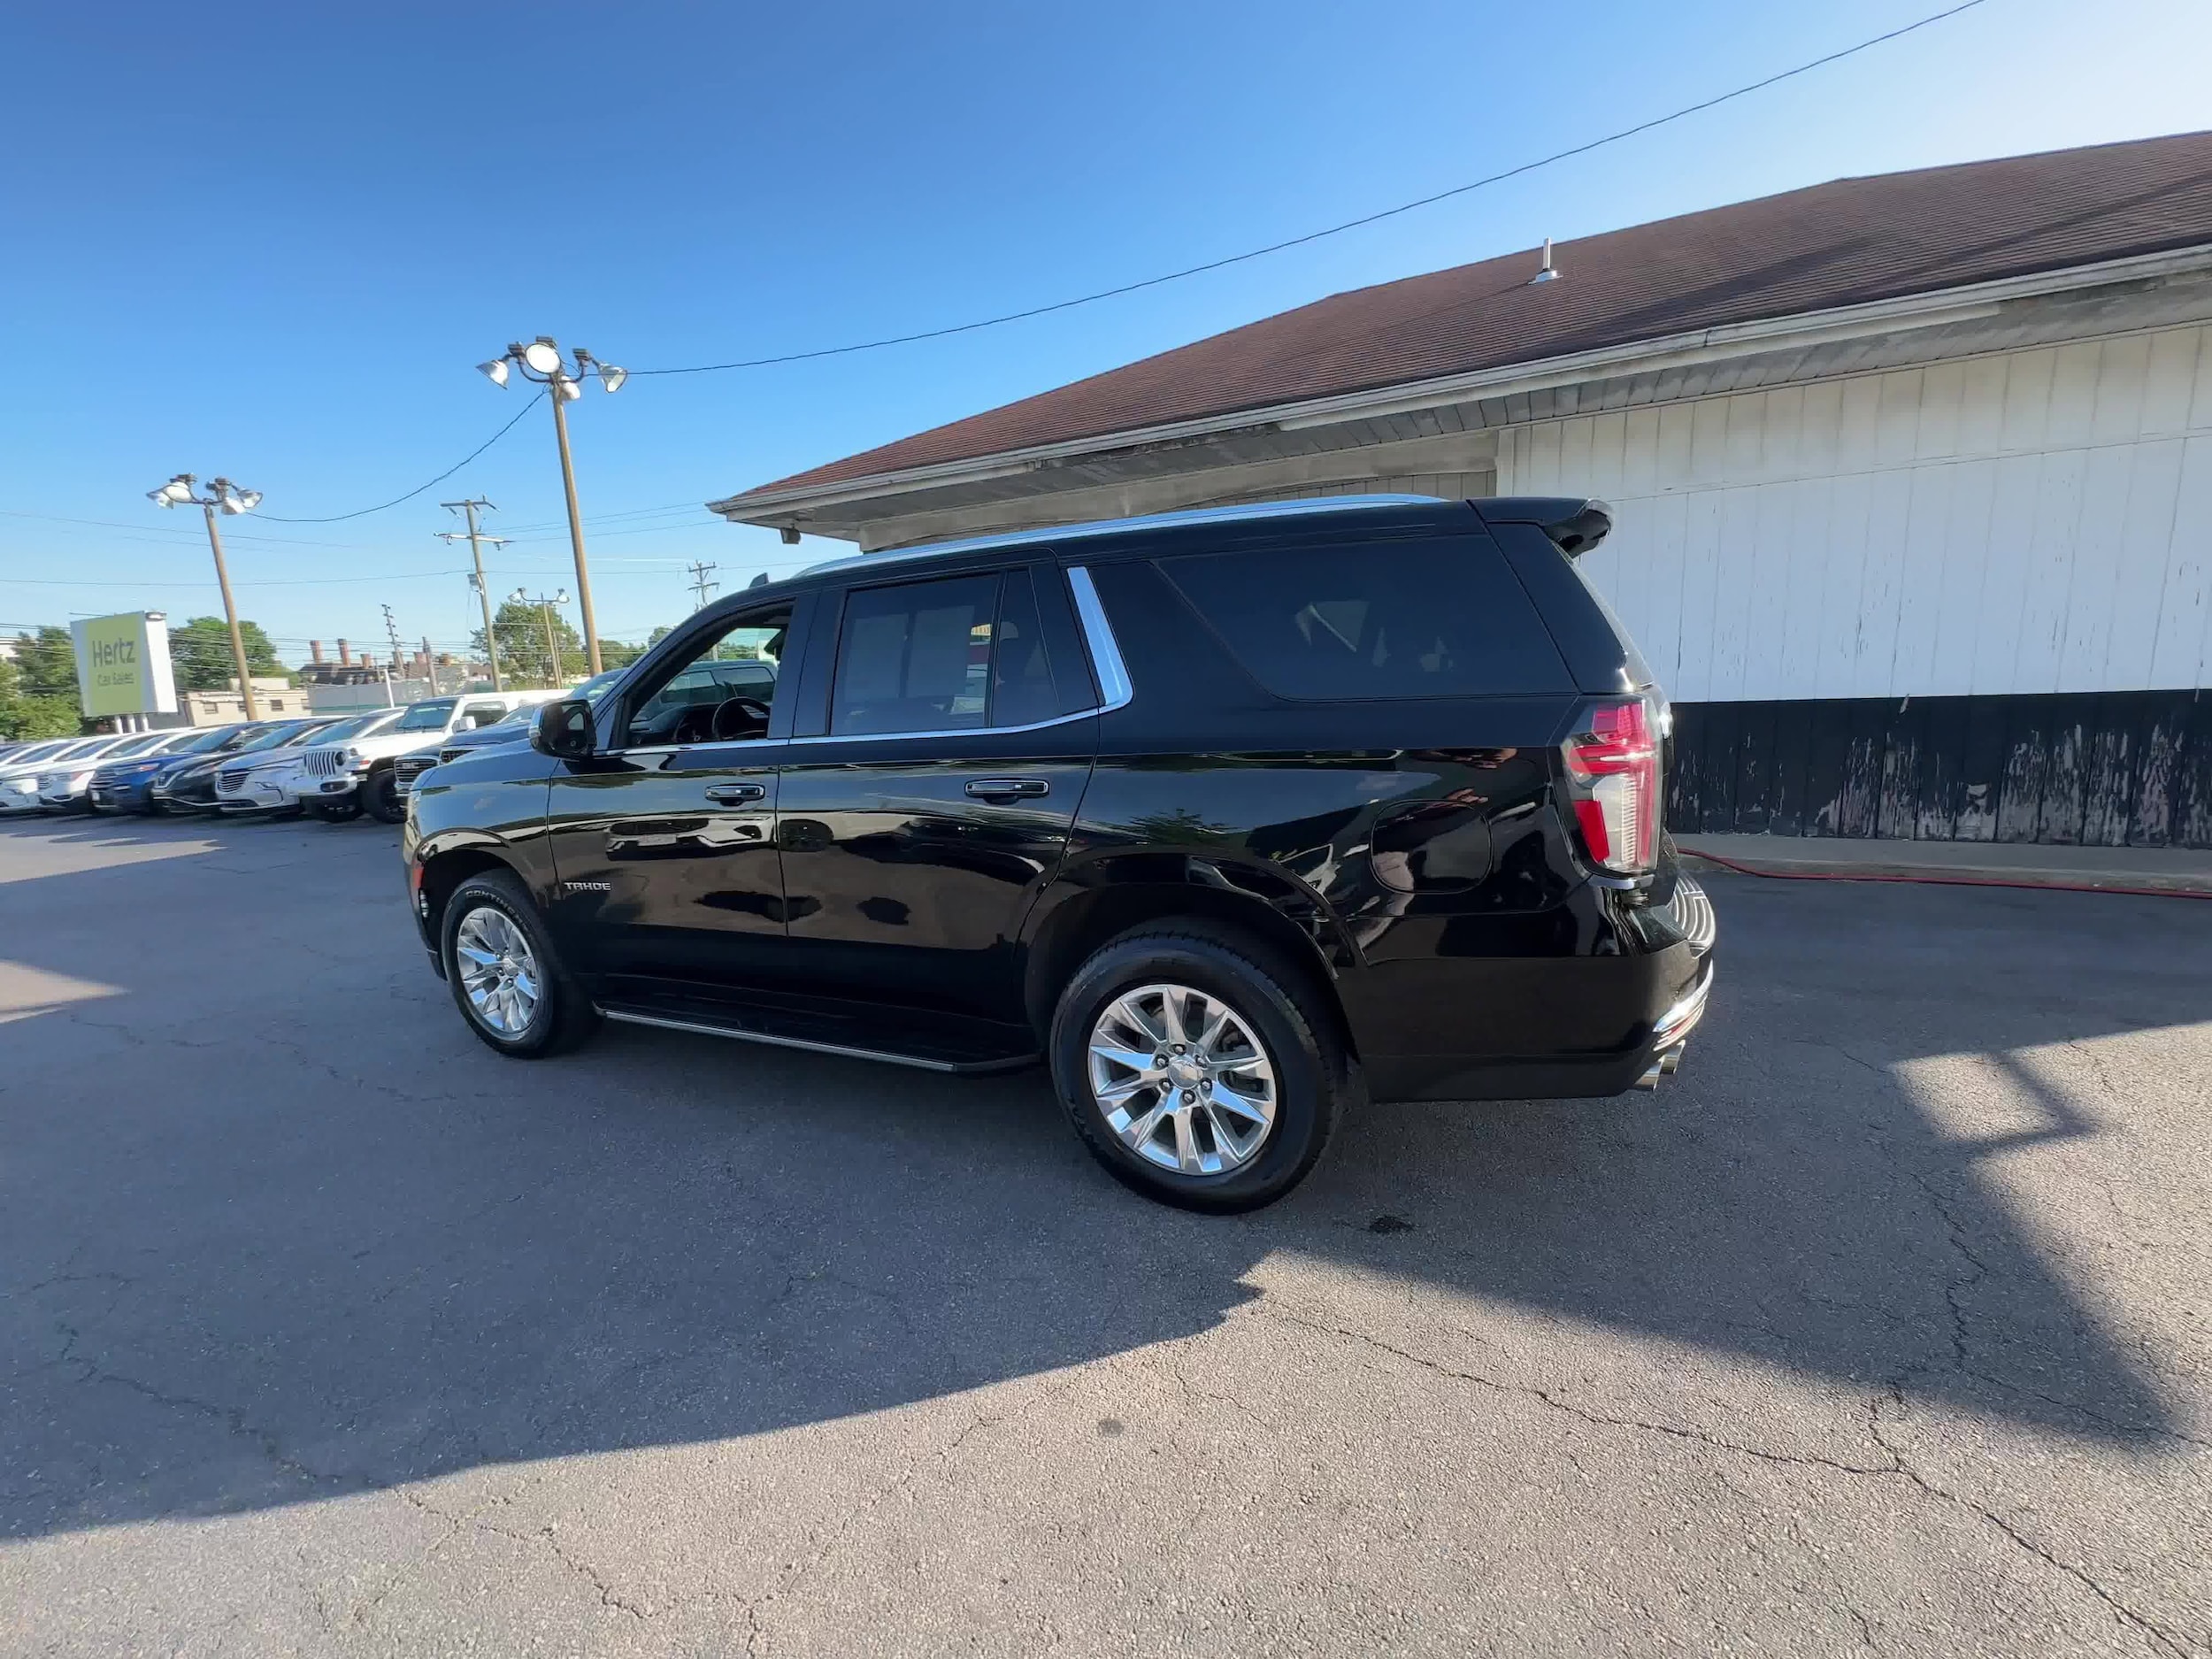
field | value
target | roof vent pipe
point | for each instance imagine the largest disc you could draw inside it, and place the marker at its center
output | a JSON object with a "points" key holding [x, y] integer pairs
{"points": [[1544, 273]]}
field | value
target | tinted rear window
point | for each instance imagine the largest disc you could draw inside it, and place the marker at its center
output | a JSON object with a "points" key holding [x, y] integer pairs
{"points": [[1430, 618]]}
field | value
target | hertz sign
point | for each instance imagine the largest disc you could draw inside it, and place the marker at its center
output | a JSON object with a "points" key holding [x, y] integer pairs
{"points": [[123, 663]]}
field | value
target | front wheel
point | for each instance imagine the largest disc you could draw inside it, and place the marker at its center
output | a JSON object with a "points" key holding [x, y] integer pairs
{"points": [[506, 977], [380, 794], [1198, 1069]]}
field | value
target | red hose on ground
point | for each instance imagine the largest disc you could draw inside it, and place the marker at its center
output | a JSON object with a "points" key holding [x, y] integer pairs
{"points": [[1937, 882]]}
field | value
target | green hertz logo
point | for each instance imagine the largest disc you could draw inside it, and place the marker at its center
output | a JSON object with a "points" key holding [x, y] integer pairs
{"points": [[123, 664]]}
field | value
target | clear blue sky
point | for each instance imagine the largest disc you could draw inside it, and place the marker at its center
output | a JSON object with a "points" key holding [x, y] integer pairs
{"points": [[271, 241]]}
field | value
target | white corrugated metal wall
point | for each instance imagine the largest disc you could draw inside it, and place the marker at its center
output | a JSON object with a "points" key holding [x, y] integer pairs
{"points": [[2029, 521], [1451, 486]]}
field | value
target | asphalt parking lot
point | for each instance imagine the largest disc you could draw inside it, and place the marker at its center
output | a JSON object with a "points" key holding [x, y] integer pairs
{"points": [[1882, 1326]]}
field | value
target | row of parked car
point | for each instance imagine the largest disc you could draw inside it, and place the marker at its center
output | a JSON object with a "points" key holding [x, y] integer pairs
{"points": [[334, 767]]}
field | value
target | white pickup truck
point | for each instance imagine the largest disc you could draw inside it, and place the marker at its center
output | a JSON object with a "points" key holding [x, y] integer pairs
{"points": [[342, 780], [277, 784]]}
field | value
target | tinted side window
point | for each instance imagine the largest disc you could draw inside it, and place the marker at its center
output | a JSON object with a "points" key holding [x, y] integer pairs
{"points": [[916, 657], [1022, 690], [1429, 619]]}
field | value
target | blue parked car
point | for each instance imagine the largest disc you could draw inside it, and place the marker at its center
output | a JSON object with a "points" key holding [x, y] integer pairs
{"points": [[127, 786]]}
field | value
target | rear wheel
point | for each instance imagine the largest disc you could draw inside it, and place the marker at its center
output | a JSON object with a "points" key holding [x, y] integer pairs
{"points": [[1195, 1067], [380, 794], [506, 977]]}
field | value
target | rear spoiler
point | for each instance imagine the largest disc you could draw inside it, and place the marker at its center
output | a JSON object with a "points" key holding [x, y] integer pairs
{"points": [[1573, 525]]}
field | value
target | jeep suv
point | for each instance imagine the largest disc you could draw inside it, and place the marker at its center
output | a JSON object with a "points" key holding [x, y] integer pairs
{"points": [[1228, 817], [340, 781]]}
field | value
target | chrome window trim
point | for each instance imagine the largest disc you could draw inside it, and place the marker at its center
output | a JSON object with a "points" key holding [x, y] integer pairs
{"points": [[1114, 689], [1117, 526], [664, 750], [955, 731], [1098, 635]]}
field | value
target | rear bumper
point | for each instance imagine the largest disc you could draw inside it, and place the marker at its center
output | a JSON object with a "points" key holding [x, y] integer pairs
{"points": [[1543, 1027]]}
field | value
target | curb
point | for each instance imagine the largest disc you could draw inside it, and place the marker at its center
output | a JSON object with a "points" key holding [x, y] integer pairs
{"points": [[2145, 885]]}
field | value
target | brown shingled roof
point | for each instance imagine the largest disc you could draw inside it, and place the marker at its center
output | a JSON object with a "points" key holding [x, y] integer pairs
{"points": [[1841, 243]]}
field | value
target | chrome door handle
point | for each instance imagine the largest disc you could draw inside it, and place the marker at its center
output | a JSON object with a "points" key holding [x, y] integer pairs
{"points": [[733, 794], [1000, 789]]}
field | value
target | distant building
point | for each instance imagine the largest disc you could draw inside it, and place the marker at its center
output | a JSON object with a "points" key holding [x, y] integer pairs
{"points": [[1912, 477], [227, 707]]}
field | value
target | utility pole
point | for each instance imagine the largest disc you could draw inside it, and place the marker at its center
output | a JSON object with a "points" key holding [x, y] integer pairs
{"points": [[476, 552], [228, 497], [552, 640], [230, 615], [542, 363], [391, 632], [561, 394], [700, 585], [430, 665]]}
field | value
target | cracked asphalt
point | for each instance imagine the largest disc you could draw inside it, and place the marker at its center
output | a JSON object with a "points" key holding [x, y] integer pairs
{"points": [[1882, 1327]]}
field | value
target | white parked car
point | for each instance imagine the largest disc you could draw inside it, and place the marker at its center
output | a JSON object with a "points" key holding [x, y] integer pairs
{"points": [[62, 784], [342, 780], [19, 772], [280, 782]]}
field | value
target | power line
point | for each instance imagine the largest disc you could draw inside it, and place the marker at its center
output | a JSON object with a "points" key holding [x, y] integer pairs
{"points": [[364, 512], [164, 532], [1333, 230]]}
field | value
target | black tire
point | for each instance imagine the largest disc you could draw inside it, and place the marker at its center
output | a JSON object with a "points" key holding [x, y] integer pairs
{"points": [[563, 1016], [380, 797], [339, 811], [1296, 1028]]}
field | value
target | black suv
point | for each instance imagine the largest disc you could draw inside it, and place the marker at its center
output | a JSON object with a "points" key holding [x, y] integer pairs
{"points": [[1227, 815]]}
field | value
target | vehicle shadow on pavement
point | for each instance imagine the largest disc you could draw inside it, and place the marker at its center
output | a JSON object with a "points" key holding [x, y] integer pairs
{"points": [[274, 1227]]}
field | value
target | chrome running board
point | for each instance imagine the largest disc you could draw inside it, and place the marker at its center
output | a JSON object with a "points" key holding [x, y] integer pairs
{"points": [[629, 1016]]}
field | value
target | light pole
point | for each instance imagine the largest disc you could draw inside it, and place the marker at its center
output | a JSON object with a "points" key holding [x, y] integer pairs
{"points": [[542, 362], [225, 497], [483, 594], [521, 595]]}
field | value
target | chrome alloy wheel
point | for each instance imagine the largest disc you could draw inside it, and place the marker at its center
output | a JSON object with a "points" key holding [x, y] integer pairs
{"points": [[498, 970], [1182, 1079]]}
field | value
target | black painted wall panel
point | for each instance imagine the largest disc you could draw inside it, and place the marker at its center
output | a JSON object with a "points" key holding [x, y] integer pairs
{"points": [[1755, 769], [1981, 767], [2193, 781], [2111, 769], [1827, 751]]}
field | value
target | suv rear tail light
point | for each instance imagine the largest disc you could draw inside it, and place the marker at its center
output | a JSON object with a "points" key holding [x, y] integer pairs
{"points": [[1613, 780]]}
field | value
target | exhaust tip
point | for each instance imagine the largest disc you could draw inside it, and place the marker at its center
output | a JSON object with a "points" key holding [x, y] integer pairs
{"points": [[1650, 1078], [1670, 1061]]}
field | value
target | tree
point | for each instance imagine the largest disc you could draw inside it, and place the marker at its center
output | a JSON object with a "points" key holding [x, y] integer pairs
{"points": [[200, 651], [520, 627], [38, 688], [48, 662]]}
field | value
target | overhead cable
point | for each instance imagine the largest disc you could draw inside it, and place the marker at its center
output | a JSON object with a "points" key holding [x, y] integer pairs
{"points": [[364, 512], [1333, 230]]}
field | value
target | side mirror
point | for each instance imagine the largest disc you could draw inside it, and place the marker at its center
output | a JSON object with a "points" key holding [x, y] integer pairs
{"points": [[564, 730]]}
